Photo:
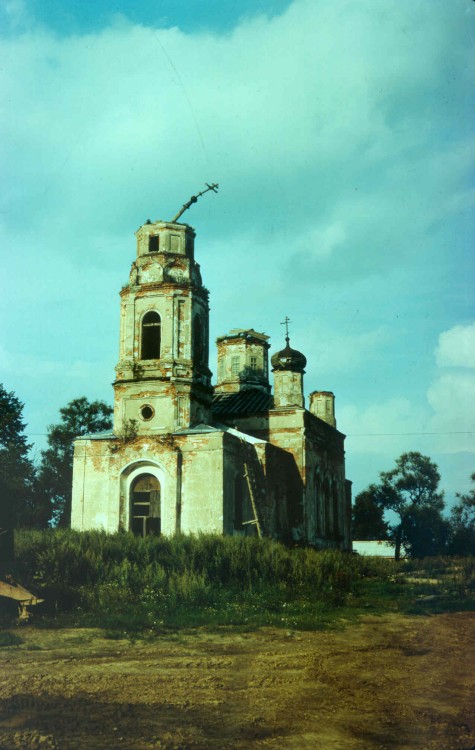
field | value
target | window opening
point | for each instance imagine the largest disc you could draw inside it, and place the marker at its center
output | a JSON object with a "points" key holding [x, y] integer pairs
{"points": [[253, 363], [336, 530], [151, 331], [197, 340], [327, 509], [153, 243], [318, 503], [147, 412], [145, 509]]}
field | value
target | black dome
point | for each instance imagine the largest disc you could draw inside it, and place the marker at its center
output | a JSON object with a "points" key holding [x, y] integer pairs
{"points": [[289, 359]]}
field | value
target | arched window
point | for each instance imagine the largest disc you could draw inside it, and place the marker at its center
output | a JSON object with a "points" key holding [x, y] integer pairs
{"points": [[238, 503], [336, 524], [145, 511], [150, 344], [197, 340], [328, 521], [318, 505]]}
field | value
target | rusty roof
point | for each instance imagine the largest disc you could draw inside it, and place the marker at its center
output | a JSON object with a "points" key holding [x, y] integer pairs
{"points": [[247, 402]]}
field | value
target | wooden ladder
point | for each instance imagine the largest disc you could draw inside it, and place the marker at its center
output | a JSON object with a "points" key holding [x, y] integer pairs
{"points": [[251, 482]]}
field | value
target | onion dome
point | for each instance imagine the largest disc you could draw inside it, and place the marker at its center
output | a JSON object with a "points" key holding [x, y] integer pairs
{"points": [[289, 359]]}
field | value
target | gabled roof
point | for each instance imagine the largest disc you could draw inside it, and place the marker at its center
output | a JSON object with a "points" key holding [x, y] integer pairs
{"points": [[247, 402]]}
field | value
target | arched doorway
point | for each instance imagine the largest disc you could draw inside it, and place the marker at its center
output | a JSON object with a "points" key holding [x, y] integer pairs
{"points": [[145, 510]]}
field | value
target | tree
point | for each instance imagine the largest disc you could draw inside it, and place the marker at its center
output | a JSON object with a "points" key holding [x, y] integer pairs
{"points": [[55, 475], [16, 468], [462, 524], [410, 491], [368, 517], [425, 531]]}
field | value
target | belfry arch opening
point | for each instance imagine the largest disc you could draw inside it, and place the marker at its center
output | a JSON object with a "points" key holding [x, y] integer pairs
{"points": [[198, 340], [145, 505], [151, 336]]}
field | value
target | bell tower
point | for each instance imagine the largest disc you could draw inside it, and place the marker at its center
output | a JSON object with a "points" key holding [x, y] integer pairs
{"points": [[163, 382]]}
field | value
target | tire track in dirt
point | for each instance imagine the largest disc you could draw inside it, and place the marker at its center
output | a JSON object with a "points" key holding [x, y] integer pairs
{"points": [[387, 683]]}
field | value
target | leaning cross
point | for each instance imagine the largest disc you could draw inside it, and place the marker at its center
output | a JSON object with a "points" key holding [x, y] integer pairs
{"points": [[193, 199]]}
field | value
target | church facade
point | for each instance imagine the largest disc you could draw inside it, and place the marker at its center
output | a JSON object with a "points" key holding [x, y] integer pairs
{"points": [[187, 456]]}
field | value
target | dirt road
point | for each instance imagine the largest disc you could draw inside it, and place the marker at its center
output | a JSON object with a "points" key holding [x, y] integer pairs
{"points": [[385, 683]]}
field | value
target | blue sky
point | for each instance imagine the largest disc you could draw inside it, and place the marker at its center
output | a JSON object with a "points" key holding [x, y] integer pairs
{"points": [[341, 134]]}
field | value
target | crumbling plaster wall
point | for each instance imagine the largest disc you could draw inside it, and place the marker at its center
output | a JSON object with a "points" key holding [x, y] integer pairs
{"points": [[188, 467], [202, 498], [102, 473], [235, 360]]}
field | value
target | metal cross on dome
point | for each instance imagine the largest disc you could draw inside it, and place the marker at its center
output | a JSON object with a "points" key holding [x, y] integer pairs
{"points": [[286, 324], [214, 187]]}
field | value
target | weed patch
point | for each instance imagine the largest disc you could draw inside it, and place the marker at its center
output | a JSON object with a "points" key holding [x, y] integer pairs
{"points": [[126, 584]]}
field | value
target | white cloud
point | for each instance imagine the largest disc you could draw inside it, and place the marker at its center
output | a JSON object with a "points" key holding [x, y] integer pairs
{"points": [[452, 398], [456, 347], [322, 240], [336, 133], [336, 351], [298, 104], [384, 427], [445, 426]]}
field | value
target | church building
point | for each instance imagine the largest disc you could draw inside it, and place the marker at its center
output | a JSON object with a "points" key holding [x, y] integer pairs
{"points": [[187, 456]]}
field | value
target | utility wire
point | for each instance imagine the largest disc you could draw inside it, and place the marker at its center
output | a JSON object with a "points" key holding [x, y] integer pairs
{"points": [[349, 434]]}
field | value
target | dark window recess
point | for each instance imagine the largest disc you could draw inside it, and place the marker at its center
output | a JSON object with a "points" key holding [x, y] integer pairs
{"points": [[318, 500], [197, 341], [153, 244], [145, 506], [336, 529], [151, 328]]}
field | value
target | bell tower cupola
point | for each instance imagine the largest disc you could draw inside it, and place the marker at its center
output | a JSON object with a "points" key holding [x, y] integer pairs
{"points": [[163, 382], [288, 367]]}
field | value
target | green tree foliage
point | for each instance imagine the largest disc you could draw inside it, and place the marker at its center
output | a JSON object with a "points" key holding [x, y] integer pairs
{"points": [[16, 469], [425, 531], [462, 524], [410, 491], [368, 517], [55, 475]]}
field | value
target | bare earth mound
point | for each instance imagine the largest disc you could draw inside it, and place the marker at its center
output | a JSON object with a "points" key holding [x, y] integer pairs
{"points": [[388, 682]]}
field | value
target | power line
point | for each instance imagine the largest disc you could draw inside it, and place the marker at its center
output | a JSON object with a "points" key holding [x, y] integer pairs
{"points": [[349, 434], [395, 434]]}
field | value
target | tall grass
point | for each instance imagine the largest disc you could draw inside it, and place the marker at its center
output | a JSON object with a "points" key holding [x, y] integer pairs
{"points": [[123, 581], [159, 578]]}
